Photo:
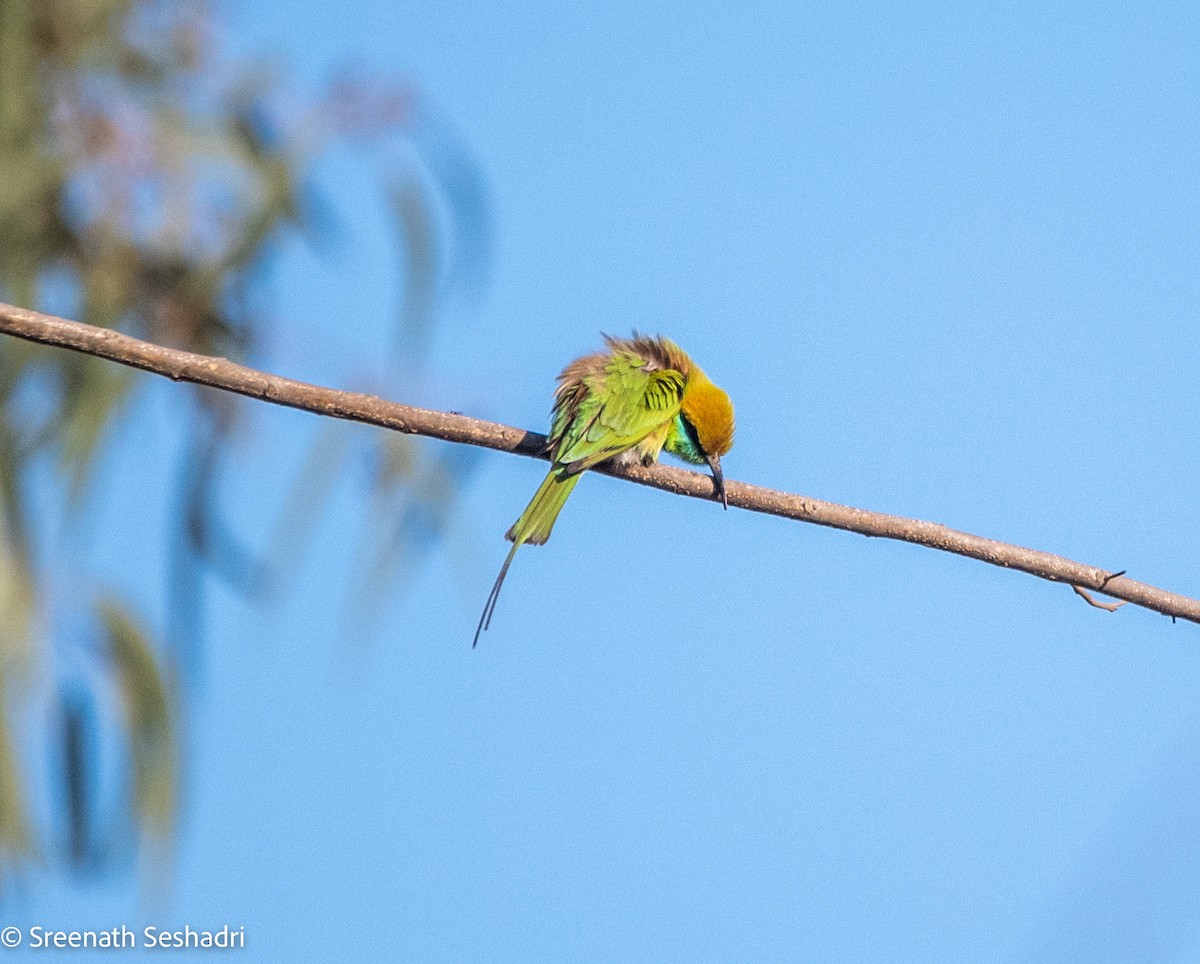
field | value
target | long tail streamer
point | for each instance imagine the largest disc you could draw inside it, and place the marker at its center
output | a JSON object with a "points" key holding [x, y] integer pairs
{"points": [[489, 607]]}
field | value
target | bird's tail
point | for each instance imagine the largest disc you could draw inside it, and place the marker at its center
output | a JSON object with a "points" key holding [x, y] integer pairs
{"points": [[533, 527], [489, 607], [538, 518]]}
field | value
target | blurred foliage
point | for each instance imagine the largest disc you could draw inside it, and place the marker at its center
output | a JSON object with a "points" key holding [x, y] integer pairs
{"points": [[146, 183], [146, 704]]}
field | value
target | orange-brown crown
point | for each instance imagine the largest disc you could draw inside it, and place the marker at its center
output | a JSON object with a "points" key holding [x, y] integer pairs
{"points": [[710, 411]]}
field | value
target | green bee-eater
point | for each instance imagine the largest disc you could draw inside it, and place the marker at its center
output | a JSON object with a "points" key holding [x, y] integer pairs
{"points": [[635, 399]]}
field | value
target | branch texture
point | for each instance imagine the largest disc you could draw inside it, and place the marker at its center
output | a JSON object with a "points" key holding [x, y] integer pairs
{"points": [[228, 376]]}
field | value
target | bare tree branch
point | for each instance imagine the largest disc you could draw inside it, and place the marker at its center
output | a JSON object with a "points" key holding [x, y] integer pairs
{"points": [[229, 376]]}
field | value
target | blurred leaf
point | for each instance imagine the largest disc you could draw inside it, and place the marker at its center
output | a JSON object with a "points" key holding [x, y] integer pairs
{"points": [[16, 836], [411, 208], [146, 696], [95, 392], [306, 496], [416, 487], [16, 577], [463, 187], [16, 616], [76, 722], [398, 458]]}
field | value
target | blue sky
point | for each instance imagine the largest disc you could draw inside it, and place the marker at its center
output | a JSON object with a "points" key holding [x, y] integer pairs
{"points": [[943, 257]]}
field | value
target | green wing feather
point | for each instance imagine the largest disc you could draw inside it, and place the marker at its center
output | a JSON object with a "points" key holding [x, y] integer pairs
{"points": [[617, 408]]}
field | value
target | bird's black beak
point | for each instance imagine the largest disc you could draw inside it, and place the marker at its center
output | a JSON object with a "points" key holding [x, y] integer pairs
{"points": [[714, 463]]}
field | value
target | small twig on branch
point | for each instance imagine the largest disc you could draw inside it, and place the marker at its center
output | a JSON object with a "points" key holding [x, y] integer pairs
{"points": [[1115, 575], [1091, 600], [231, 377]]}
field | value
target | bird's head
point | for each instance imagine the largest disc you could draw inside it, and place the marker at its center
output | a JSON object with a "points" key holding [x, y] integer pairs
{"points": [[707, 415]]}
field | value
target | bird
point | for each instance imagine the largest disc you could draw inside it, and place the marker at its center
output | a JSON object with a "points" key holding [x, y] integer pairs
{"points": [[628, 402]]}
